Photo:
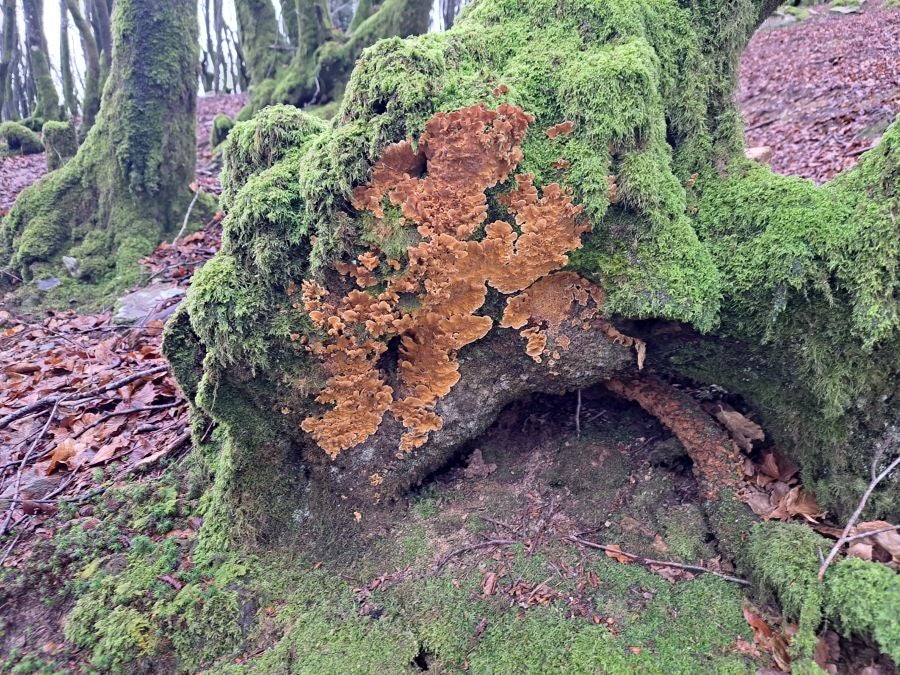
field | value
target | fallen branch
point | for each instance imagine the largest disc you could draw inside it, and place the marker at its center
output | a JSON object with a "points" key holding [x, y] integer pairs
{"points": [[472, 547], [187, 216], [664, 563], [845, 535], [73, 397]]}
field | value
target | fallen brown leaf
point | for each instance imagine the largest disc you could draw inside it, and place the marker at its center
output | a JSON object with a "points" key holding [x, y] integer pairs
{"points": [[619, 557]]}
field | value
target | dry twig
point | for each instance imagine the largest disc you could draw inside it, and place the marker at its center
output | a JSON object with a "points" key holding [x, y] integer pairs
{"points": [[845, 535], [465, 549], [74, 397], [664, 563]]}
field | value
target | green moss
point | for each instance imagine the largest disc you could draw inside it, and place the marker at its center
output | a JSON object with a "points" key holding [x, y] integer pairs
{"points": [[60, 142], [221, 127], [128, 182], [859, 597], [19, 139]]}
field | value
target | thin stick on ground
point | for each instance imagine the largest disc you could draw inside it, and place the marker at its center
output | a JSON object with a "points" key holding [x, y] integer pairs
{"points": [[12, 545], [75, 397], [18, 483], [187, 216], [665, 563], [871, 533], [465, 549], [845, 535], [578, 414]]}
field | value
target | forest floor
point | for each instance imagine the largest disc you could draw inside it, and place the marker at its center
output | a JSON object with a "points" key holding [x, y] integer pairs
{"points": [[101, 500]]}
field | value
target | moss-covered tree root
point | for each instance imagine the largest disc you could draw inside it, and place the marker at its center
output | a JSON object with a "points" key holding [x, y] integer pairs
{"points": [[784, 292]]}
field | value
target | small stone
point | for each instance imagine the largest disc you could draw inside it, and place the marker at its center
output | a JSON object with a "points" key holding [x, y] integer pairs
{"points": [[86, 510], [761, 154], [71, 265], [47, 284], [143, 302]]}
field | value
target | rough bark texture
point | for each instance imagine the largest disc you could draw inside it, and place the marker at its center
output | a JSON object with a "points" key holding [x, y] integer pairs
{"points": [[318, 72], [129, 181], [784, 292]]}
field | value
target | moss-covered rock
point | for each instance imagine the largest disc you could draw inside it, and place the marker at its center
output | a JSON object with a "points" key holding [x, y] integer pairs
{"points": [[221, 127], [19, 139], [60, 143]]}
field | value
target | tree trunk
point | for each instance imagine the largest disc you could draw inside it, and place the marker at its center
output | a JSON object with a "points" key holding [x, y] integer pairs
{"points": [[258, 32], [390, 281], [318, 73], [65, 57], [92, 82], [47, 106], [7, 50], [101, 20], [128, 184]]}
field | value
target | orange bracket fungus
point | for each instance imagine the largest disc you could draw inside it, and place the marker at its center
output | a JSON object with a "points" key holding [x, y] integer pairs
{"points": [[431, 303]]}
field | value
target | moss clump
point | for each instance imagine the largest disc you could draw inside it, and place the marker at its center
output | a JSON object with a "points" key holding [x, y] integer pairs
{"points": [[60, 143], [859, 597], [19, 139], [221, 127]]}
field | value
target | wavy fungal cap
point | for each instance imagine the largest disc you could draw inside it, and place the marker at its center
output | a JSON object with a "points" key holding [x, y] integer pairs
{"points": [[430, 302]]}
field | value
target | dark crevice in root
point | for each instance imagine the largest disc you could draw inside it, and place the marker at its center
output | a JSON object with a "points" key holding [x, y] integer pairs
{"points": [[421, 660]]}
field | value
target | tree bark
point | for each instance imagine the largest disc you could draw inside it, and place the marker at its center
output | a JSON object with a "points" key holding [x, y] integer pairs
{"points": [[258, 33], [128, 184], [92, 82], [65, 57], [47, 105], [7, 50]]}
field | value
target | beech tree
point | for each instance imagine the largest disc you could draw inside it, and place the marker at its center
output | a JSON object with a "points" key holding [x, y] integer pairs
{"points": [[314, 69], [548, 196], [128, 184]]}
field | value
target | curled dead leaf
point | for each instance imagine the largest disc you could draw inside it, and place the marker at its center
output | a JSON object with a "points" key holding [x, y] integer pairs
{"points": [[742, 429], [615, 555]]}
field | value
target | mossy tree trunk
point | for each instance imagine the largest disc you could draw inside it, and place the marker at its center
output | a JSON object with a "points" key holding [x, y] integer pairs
{"points": [[785, 292], [258, 31], [128, 184], [7, 48], [47, 98], [323, 57], [92, 79]]}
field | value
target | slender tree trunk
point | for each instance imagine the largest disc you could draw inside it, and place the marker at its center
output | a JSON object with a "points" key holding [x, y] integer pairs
{"points": [[47, 106], [65, 57], [92, 82], [219, 29], [290, 15], [7, 50], [128, 184], [258, 32], [100, 11]]}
